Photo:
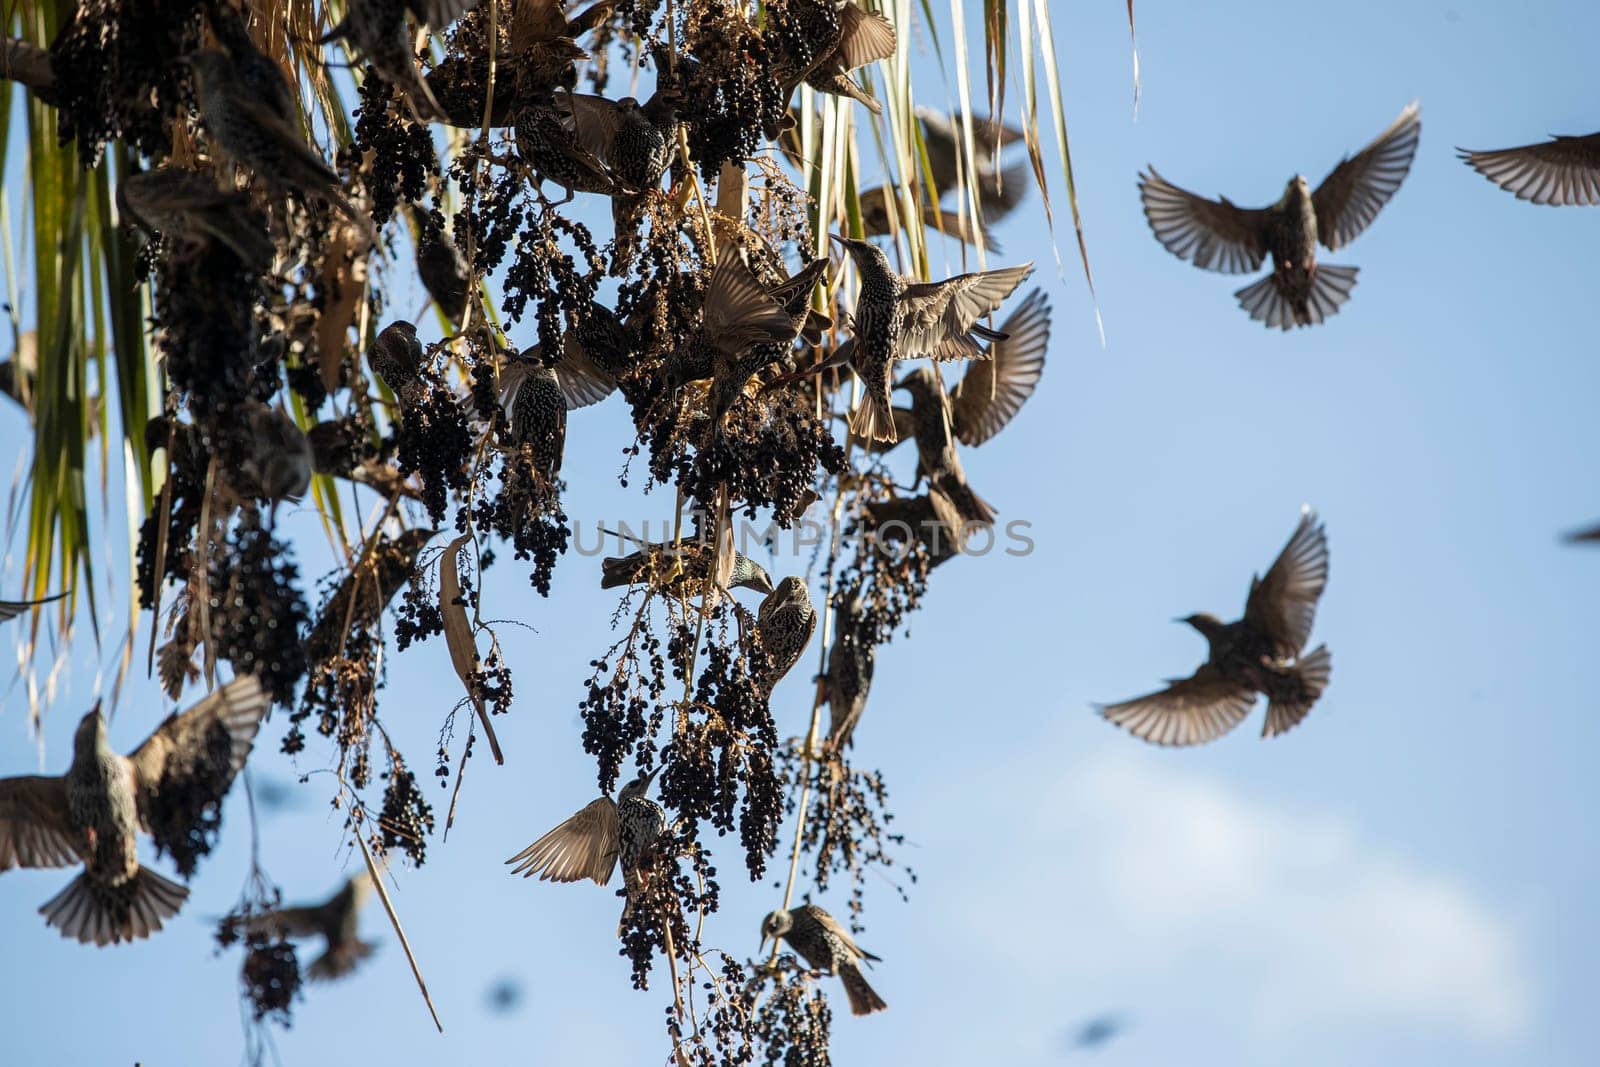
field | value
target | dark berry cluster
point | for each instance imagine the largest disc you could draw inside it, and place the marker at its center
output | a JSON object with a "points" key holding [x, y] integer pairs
{"points": [[257, 612], [406, 820], [184, 816], [393, 152], [434, 441]]}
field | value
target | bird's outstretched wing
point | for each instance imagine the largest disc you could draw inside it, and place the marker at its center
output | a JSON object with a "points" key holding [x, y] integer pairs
{"points": [[10, 609], [585, 846], [35, 828], [1557, 172], [1212, 234], [1350, 197], [865, 37], [199, 751], [940, 315], [1283, 603], [581, 380], [992, 391], [739, 314], [304, 921], [1189, 711]]}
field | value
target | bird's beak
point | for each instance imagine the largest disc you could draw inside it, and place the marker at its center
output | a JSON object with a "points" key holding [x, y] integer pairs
{"points": [[765, 937], [651, 777], [1179, 618]]}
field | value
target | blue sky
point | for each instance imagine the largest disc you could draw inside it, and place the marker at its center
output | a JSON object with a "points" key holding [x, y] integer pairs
{"points": [[1405, 878]]}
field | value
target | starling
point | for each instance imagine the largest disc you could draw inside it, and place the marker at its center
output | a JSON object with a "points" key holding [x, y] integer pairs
{"points": [[899, 519], [737, 314], [936, 453], [259, 74], [637, 143], [849, 675], [784, 624], [875, 221], [396, 358], [276, 461], [248, 131], [185, 206], [552, 145], [378, 30], [335, 920], [898, 318], [666, 563], [536, 54], [1559, 172], [589, 844], [1260, 653], [732, 368], [93, 814], [999, 191], [825, 946], [10, 609], [1219, 235], [820, 42], [442, 269], [1589, 535], [538, 416]]}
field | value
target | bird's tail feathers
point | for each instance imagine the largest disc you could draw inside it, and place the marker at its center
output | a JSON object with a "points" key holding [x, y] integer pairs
{"points": [[1301, 688], [339, 961], [873, 418], [864, 1000], [1270, 301], [91, 913]]}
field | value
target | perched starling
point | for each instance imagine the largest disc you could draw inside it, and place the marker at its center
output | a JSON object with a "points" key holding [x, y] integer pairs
{"points": [[1219, 235], [825, 946], [999, 191], [897, 520], [1559, 172], [849, 675], [185, 206], [10, 609], [898, 318], [248, 131], [737, 315], [1260, 653], [589, 844], [784, 624], [442, 269], [536, 54], [637, 144], [335, 920], [378, 30], [538, 415], [732, 368], [936, 453], [396, 358], [666, 563], [93, 814], [875, 221], [259, 74], [276, 461]]}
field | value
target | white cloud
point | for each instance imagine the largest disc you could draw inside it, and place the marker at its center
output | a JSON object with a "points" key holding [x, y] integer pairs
{"points": [[1172, 893]]}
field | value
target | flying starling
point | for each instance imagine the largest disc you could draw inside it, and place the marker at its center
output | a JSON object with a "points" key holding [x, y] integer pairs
{"points": [[550, 143], [898, 318], [875, 221], [1219, 235], [849, 675], [999, 191], [1588, 535], [442, 269], [1260, 653], [825, 946], [784, 624], [820, 42], [936, 452], [589, 844], [732, 367], [335, 920], [93, 814], [247, 130], [665, 563], [378, 30], [10, 609], [396, 358], [1559, 172], [184, 206], [737, 315], [993, 390]]}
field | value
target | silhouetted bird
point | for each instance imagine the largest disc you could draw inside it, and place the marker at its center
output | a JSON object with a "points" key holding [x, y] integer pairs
{"points": [[937, 458], [187, 207], [396, 358], [875, 219], [849, 675], [818, 939], [1219, 235], [276, 461], [1560, 172], [999, 191], [335, 920], [1258, 654], [665, 564], [10, 609], [93, 814], [589, 844], [259, 74], [378, 30], [1097, 1032], [250, 133], [442, 269], [784, 625], [898, 318], [1589, 535]]}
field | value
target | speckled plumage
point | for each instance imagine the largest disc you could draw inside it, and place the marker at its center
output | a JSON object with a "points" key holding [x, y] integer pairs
{"points": [[818, 939], [186, 206], [396, 358], [848, 679], [784, 625]]}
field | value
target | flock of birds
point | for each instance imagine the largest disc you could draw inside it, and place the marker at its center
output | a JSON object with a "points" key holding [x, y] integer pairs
{"points": [[93, 814]]}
